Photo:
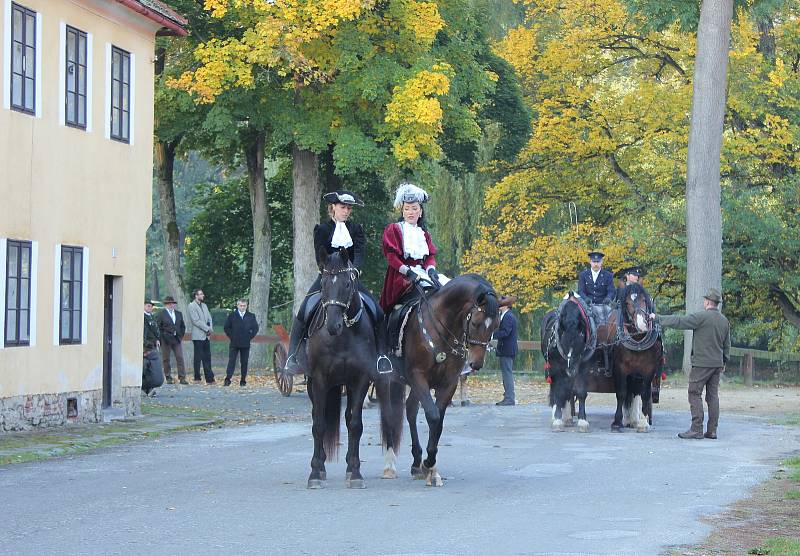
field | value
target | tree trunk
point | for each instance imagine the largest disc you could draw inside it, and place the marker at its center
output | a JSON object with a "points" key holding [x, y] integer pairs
{"points": [[262, 243], [305, 215], [703, 218]]}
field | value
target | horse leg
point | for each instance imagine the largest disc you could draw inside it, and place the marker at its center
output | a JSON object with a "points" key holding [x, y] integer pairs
{"points": [[390, 394], [443, 397], [412, 408], [620, 382], [355, 428], [559, 401], [644, 399], [421, 393], [569, 419], [583, 423], [318, 475]]}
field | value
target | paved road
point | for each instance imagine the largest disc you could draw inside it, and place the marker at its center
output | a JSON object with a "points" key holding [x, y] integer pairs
{"points": [[512, 487]]}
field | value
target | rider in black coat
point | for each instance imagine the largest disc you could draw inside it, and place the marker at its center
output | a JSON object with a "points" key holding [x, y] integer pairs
{"points": [[327, 239]]}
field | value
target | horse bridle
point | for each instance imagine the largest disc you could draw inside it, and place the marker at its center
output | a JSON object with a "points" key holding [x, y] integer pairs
{"points": [[348, 322], [459, 348]]}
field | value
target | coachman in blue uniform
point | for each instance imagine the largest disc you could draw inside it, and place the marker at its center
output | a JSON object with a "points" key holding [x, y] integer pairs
{"points": [[595, 284]]}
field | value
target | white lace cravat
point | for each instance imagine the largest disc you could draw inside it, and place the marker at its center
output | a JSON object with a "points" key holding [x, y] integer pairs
{"points": [[341, 236], [414, 244]]}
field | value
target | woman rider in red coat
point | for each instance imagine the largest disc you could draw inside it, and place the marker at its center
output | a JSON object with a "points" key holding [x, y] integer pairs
{"points": [[407, 247]]}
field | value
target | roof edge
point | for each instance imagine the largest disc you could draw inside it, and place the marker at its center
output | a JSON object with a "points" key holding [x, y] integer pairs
{"points": [[159, 13]]}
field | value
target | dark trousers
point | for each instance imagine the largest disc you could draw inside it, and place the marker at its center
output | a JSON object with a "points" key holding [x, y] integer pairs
{"points": [[507, 368], [244, 356], [177, 349], [708, 378], [152, 373], [202, 352]]}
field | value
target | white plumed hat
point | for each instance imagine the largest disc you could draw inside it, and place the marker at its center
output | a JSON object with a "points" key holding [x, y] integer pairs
{"points": [[409, 193]]}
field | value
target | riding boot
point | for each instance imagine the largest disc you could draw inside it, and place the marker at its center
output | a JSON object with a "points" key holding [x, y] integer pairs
{"points": [[297, 335], [383, 365]]}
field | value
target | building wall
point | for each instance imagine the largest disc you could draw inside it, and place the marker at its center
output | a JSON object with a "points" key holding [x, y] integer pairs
{"points": [[65, 186]]}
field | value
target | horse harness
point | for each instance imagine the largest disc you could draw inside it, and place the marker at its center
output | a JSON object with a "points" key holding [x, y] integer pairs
{"points": [[591, 332], [348, 321], [456, 346], [626, 339]]}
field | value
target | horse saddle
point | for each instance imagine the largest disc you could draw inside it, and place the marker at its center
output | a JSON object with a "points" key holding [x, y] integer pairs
{"points": [[398, 318]]}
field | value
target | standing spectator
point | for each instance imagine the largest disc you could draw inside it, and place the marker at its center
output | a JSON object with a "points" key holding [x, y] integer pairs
{"points": [[711, 346], [172, 328], [506, 336], [200, 318], [152, 374], [241, 327]]}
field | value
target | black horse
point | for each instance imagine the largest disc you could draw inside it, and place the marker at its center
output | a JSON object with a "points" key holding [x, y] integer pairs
{"points": [[340, 353], [638, 357], [568, 341], [447, 331]]}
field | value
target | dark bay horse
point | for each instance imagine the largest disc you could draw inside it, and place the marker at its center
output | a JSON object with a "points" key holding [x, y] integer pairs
{"points": [[447, 331], [568, 341], [340, 352], [638, 357]]}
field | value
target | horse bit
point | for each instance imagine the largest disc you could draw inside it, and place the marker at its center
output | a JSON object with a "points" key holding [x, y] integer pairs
{"points": [[348, 322]]}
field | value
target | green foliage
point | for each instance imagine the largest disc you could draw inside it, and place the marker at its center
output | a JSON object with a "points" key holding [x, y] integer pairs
{"points": [[777, 546], [219, 241]]}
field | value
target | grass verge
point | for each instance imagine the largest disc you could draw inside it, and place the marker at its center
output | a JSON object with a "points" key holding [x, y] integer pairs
{"points": [[777, 546]]}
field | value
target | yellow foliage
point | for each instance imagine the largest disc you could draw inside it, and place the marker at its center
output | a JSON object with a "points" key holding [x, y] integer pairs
{"points": [[415, 115]]}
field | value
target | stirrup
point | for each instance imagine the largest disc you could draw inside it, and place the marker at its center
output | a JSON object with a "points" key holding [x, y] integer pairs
{"points": [[291, 366], [378, 365]]}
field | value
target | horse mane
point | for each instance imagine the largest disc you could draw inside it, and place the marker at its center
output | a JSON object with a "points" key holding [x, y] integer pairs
{"points": [[483, 291], [337, 261]]}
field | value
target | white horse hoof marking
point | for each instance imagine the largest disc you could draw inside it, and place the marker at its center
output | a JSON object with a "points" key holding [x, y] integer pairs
{"points": [[583, 425], [558, 425]]}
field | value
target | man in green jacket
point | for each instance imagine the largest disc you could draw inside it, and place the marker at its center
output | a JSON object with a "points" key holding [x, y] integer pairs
{"points": [[711, 346]]}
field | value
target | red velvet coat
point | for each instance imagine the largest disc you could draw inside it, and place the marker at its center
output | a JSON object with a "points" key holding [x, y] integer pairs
{"points": [[394, 283]]}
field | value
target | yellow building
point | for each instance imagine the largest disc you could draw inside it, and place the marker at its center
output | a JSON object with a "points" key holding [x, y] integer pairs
{"points": [[76, 144]]}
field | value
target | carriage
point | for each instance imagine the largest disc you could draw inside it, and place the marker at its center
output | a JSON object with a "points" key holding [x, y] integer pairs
{"points": [[280, 353]]}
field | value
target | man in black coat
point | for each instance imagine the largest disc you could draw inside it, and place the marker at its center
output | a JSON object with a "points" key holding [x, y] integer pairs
{"points": [[241, 327], [172, 328], [506, 336], [595, 284], [152, 373]]}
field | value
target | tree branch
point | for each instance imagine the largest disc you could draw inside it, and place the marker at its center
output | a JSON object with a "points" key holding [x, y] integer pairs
{"points": [[790, 310]]}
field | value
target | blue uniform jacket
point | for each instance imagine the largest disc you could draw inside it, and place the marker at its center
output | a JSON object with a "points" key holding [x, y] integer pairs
{"points": [[602, 291], [506, 335]]}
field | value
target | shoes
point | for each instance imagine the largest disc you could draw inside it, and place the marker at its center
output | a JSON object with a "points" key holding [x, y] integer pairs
{"points": [[197, 379], [227, 382], [465, 403], [242, 383], [184, 381], [711, 435], [292, 366], [505, 402], [690, 435], [212, 381], [169, 380]]}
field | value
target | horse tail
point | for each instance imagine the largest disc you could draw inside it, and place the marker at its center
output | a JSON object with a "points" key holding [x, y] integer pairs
{"points": [[392, 409], [333, 414]]}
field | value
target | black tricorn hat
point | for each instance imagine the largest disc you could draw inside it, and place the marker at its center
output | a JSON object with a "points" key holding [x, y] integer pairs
{"points": [[344, 197]]}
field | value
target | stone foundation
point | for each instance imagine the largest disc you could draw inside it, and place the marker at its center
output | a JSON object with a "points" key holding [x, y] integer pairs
{"points": [[54, 410]]}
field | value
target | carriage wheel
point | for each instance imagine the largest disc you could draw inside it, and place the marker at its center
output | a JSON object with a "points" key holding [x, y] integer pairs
{"points": [[279, 357]]}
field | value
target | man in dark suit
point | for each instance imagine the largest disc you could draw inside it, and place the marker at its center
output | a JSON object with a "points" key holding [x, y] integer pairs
{"points": [[172, 327], [595, 284], [152, 374], [506, 336], [241, 327]]}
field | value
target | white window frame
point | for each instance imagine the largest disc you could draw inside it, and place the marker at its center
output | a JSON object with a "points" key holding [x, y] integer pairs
{"points": [[57, 295], [34, 281], [132, 100], [6, 48], [62, 68]]}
